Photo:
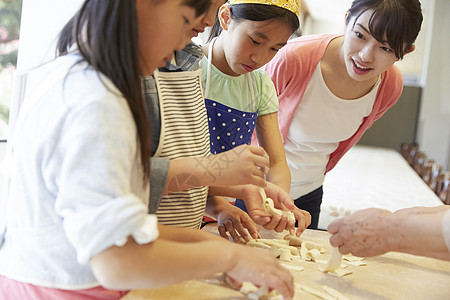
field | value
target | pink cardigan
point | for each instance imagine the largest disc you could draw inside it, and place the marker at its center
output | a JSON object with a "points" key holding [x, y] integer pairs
{"points": [[291, 70]]}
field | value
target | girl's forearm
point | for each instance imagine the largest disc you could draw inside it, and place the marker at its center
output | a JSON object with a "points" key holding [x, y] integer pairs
{"points": [[160, 263], [185, 235], [186, 173]]}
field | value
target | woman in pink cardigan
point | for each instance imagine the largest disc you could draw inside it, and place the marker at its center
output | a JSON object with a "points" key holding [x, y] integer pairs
{"points": [[332, 88]]}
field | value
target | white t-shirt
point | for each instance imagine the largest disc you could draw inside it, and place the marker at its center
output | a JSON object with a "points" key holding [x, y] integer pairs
{"points": [[320, 122], [76, 182]]}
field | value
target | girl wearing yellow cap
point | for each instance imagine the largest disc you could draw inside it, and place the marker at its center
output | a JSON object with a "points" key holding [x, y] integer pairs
{"points": [[239, 96]]}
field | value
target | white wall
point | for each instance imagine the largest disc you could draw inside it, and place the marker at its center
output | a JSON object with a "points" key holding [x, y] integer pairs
{"points": [[40, 24], [434, 120]]}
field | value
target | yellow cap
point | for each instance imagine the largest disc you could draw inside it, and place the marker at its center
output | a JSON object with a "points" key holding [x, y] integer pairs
{"points": [[291, 5]]}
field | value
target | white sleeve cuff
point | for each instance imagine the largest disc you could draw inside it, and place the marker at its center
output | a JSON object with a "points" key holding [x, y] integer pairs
{"points": [[145, 234]]}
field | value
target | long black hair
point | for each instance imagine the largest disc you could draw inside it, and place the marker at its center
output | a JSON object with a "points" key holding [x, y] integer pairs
{"points": [[106, 35], [257, 12], [397, 21]]}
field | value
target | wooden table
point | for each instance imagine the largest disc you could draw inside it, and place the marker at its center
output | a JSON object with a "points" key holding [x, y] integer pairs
{"points": [[390, 276]]}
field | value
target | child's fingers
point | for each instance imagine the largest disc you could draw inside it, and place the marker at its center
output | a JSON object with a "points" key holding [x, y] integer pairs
{"points": [[232, 231], [223, 231], [282, 225], [251, 227], [273, 222]]}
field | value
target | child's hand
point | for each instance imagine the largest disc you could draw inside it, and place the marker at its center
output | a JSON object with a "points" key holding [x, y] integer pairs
{"points": [[261, 269], [241, 165], [237, 223], [283, 201]]}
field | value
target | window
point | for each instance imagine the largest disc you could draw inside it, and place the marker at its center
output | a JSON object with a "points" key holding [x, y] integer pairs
{"points": [[10, 12]]}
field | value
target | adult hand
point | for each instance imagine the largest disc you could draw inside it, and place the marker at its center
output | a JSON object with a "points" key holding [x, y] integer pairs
{"points": [[362, 234]]}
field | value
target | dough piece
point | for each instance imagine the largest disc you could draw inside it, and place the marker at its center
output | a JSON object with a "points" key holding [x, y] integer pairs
{"points": [[309, 255], [350, 257], [257, 244], [272, 249], [270, 207], [292, 267], [276, 252], [356, 263], [285, 255], [311, 245], [334, 263], [262, 293], [339, 272], [277, 243], [247, 288], [334, 293], [334, 260], [293, 240]]}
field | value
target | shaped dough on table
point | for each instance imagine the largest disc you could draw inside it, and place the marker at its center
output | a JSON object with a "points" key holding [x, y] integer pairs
{"points": [[285, 255], [293, 240], [275, 251], [312, 254], [334, 260], [262, 293], [279, 244], [292, 267], [334, 263]]}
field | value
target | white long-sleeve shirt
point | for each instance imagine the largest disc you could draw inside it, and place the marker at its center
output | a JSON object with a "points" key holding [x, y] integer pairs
{"points": [[76, 182]]}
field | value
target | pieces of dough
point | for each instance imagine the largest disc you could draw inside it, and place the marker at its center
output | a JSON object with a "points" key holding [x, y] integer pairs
{"points": [[270, 208], [275, 251], [291, 267], [276, 243], [293, 240], [262, 293], [285, 255], [334, 260]]}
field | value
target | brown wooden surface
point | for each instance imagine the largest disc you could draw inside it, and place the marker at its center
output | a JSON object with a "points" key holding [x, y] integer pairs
{"points": [[390, 276]]}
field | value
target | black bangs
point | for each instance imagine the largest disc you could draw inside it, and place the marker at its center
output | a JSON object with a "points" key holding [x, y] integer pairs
{"points": [[387, 26], [257, 12], [396, 22]]}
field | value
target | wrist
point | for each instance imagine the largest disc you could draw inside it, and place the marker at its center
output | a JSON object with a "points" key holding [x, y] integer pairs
{"points": [[391, 229]]}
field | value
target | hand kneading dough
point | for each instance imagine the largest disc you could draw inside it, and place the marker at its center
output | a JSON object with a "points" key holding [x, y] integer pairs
{"points": [[270, 208]]}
